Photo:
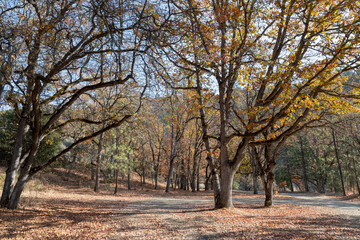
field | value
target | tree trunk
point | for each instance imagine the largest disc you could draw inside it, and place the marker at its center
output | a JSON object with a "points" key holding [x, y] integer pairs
{"points": [[215, 184], [176, 182], [268, 178], [207, 187], [254, 172], [19, 187], [195, 169], [183, 175], [140, 176], [226, 182], [22, 129], [92, 163], [116, 181], [269, 191], [205, 137], [14, 165], [157, 169], [207, 178], [266, 171], [156, 178], [339, 163], [193, 176], [172, 160], [188, 174], [92, 170], [356, 176], [25, 174], [142, 180], [12, 196], [171, 170], [157, 165], [289, 173], [129, 181], [198, 175], [303, 164], [98, 162]]}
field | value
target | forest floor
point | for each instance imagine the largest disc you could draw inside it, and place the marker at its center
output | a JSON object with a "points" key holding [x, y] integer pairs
{"points": [[68, 209]]}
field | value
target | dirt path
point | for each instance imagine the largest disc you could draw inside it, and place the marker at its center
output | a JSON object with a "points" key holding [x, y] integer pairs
{"points": [[293, 217], [337, 206]]}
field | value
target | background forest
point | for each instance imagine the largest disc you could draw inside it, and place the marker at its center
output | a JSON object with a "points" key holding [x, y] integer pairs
{"points": [[193, 95]]}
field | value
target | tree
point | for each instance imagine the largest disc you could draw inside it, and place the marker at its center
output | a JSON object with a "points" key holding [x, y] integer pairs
{"points": [[303, 164], [8, 52], [60, 44], [154, 125], [266, 156], [354, 145], [117, 152], [51, 145], [7, 132], [322, 156], [177, 121], [282, 55], [338, 162], [198, 149]]}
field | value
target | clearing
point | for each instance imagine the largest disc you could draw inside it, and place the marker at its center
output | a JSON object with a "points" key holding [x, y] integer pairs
{"points": [[65, 210]]}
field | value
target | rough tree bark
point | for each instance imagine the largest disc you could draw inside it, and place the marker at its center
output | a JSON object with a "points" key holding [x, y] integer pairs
{"points": [[14, 166], [266, 169]]}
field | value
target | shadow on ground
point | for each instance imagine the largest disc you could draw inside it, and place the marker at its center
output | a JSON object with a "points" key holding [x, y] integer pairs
{"points": [[149, 216]]}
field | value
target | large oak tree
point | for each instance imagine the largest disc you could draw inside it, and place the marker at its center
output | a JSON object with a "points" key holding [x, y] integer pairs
{"points": [[62, 48], [283, 56]]}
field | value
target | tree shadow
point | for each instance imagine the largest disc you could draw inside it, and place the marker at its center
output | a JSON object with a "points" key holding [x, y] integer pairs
{"points": [[184, 218]]}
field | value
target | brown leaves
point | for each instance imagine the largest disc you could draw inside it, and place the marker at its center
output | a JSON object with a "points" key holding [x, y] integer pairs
{"points": [[78, 213]]}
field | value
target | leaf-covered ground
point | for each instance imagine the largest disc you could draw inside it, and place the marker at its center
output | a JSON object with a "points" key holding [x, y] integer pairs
{"points": [[75, 212]]}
